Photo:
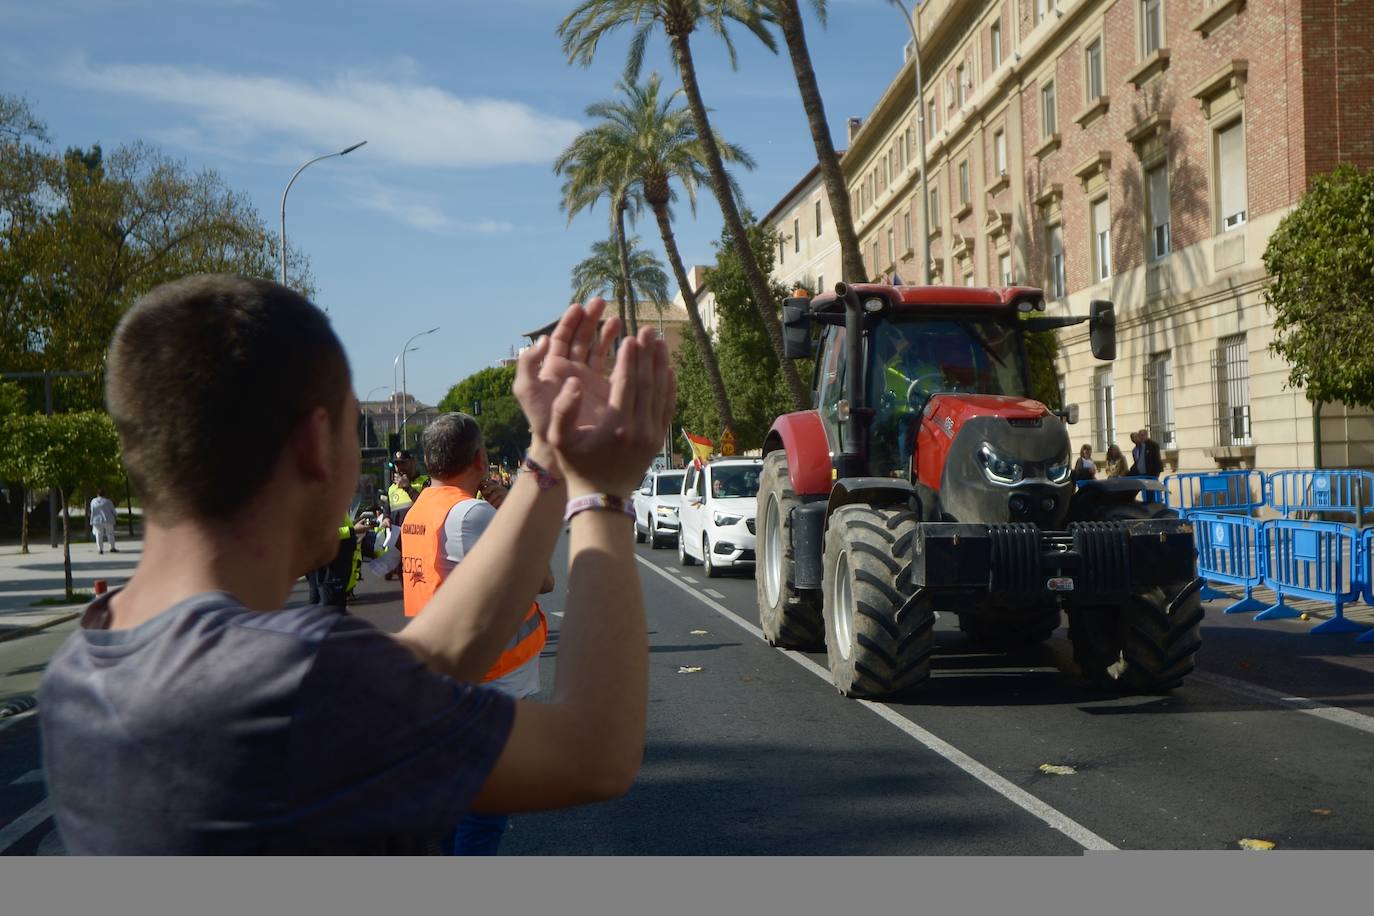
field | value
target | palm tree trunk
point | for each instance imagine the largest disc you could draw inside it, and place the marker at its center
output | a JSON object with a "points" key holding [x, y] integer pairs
{"points": [[628, 303], [720, 184], [689, 298], [794, 33]]}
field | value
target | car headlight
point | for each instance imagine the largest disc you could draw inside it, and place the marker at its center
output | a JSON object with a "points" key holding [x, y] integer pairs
{"points": [[723, 519], [666, 510], [999, 470], [1059, 473]]}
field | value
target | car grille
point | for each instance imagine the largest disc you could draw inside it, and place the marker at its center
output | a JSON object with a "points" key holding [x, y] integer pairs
{"points": [[749, 523]]}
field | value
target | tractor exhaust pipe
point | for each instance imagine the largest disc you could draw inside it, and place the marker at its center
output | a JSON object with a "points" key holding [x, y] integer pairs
{"points": [[854, 461]]}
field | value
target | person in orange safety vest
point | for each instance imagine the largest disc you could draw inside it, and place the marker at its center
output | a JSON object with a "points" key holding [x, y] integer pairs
{"points": [[440, 528]]}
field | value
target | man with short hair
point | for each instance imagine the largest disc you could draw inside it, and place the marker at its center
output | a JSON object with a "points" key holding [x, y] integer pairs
{"points": [[190, 714], [405, 485], [441, 528], [100, 515]]}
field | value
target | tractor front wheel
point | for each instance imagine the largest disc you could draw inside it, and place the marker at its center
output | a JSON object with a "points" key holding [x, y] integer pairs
{"points": [[879, 627], [790, 617]]}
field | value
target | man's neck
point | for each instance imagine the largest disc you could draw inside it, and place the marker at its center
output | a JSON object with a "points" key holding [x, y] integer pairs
{"points": [[186, 559], [468, 481]]}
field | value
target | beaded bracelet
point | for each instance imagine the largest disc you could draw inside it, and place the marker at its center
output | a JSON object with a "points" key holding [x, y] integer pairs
{"points": [[541, 474], [592, 501]]}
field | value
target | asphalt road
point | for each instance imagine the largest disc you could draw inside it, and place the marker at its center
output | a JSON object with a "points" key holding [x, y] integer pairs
{"points": [[751, 751]]}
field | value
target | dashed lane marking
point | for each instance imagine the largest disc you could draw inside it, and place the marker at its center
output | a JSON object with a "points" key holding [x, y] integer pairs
{"points": [[713, 593], [999, 784], [24, 824], [687, 578]]}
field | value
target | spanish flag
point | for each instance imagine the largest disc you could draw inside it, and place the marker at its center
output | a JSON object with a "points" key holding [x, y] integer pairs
{"points": [[701, 448]]}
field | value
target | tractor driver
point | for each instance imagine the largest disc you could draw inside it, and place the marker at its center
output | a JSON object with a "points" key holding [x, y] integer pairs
{"points": [[910, 375]]}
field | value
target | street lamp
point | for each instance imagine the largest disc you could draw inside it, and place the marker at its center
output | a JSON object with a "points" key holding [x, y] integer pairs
{"points": [[405, 393], [920, 137], [368, 399], [395, 402], [342, 152]]}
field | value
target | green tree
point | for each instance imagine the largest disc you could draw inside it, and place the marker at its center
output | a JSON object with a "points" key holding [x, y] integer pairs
{"points": [[1320, 261], [592, 20], [645, 136], [71, 452], [600, 273], [787, 14], [503, 423], [1042, 349]]}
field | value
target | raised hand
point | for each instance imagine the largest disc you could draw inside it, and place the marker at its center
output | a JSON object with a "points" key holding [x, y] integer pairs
{"points": [[574, 350]]}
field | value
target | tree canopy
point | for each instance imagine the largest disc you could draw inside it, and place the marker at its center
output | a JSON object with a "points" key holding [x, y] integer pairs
{"points": [[1320, 261], [503, 423]]}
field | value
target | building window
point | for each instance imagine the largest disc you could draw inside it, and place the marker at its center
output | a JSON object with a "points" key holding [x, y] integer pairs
{"points": [[1151, 26], [1004, 269], [887, 171], [820, 284], [959, 80], [906, 231], [1231, 373], [818, 219], [935, 206], [963, 184], [1230, 175], [1104, 410], [1102, 240], [1157, 190], [1093, 63], [891, 245], [782, 250], [1048, 122], [1159, 399], [906, 147], [875, 258], [968, 278], [933, 124], [796, 235], [1058, 278], [996, 35], [999, 153]]}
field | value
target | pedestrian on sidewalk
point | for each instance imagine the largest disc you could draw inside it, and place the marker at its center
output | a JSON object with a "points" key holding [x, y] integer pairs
{"points": [[191, 714], [101, 517], [442, 528]]}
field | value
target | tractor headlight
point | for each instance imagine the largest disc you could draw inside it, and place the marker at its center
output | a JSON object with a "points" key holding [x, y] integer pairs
{"points": [[999, 470], [1059, 473], [725, 519]]}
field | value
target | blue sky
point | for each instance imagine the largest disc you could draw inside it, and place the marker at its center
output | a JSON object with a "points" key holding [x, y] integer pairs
{"points": [[449, 216]]}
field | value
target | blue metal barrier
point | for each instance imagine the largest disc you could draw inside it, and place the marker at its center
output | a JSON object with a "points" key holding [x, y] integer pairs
{"points": [[1231, 492], [1320, 492], [1366, 568], [1317, 560], [1230, 549]]}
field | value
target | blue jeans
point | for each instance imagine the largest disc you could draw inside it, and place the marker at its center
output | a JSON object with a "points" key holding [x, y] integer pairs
{"points": [[476, 835]]}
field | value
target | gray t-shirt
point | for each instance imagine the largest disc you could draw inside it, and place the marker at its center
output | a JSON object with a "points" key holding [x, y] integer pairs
{"points": [[215, 729]]}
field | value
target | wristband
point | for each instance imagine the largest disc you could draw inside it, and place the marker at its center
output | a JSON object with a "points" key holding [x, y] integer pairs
{"points": [[542, 476], [603, 501]]}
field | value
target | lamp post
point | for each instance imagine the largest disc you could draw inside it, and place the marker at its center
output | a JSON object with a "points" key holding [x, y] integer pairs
{"points": [[367, 400], [405, 393], [920, 137], [342, 152], [395, 401]]}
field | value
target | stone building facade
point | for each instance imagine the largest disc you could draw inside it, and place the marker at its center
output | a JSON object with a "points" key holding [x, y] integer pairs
{"points": [[1141, 151]]}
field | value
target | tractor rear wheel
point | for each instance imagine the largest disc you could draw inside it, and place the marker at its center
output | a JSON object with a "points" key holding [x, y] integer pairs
{"points": [[1147, 643], [879, 627], [790, 617], [1007, 633]]}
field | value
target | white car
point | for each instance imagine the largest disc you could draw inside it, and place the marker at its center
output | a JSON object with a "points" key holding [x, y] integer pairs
{"points": [[716, 518], [656, 503]]}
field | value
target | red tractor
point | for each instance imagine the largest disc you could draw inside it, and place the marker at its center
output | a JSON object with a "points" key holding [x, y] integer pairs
{"points": [[926, 479]]}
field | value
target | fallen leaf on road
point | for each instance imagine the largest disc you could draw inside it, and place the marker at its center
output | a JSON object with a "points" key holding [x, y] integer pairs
{"points": [[1055, 769], [688, 669], [1324, 812], [698, 632], [1261, 845]]}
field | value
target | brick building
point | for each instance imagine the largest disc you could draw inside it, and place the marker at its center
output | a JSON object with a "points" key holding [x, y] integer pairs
{"points": [[1140, 151], [808, 245]]}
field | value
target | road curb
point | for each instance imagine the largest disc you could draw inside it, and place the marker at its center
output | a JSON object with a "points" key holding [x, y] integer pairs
{"points": [[22, 631]]}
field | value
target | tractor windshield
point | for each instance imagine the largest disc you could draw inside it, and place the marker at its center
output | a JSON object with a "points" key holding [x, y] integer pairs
{"points": [[912, 360]]}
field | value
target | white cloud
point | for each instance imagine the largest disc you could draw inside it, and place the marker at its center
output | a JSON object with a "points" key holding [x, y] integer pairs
{"points": [[419, 214], [404, 121]]}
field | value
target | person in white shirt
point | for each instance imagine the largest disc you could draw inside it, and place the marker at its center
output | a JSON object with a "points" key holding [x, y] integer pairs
{"points": [[101, 515]]}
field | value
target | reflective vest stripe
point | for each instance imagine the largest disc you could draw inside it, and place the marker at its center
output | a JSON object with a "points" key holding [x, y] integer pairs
{"points": [[420, 575]]}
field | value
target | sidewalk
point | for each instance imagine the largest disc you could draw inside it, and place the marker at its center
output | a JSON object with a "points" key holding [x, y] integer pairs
{"points": [[26, 578]]}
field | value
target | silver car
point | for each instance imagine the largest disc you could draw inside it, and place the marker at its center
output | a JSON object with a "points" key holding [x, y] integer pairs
{"points": [[656, 503]]}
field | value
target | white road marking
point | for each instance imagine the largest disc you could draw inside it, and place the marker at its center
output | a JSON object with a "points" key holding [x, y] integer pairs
{"points": [[999, 784], [1337, 714], [687, 578], [713, 593], [21, 826], [29, 777]]}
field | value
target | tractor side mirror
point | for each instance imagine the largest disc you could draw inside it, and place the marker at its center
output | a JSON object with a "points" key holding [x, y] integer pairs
{"points": [[1069, 414], [796, 328], [1102, 328]]}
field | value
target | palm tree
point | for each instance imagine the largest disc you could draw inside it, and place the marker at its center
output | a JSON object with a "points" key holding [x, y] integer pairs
{"points": [[593, 20], [788, 16], [589, 180], [600, 273], [654, 142]]}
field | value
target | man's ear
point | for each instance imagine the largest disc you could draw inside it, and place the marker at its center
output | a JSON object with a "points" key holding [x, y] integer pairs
{"points": [[312, 445]]}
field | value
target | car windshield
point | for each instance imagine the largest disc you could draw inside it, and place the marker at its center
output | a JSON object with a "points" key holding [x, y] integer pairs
{"points": [[741, 480], [669, 483], [934, 355]]}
